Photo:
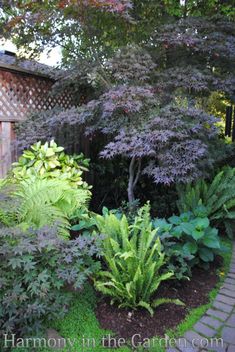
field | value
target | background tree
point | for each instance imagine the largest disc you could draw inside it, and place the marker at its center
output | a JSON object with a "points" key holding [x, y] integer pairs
{"points": [[147, 99], [96, 28], [142, 122]]}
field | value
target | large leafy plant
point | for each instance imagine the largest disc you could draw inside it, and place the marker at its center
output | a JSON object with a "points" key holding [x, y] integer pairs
{"points": [[48, 201], [50, 161], [47, 186], [133, 256], [189, 237], [218, 197], [35, 266], [176, 71]]}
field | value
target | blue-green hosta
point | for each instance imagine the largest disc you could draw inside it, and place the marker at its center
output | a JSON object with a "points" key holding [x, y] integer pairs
{"points": [[133, 256], [190, 237]]}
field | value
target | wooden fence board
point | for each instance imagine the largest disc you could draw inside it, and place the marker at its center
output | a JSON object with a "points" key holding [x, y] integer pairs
{"points": [[21, 94], [5, 147]]}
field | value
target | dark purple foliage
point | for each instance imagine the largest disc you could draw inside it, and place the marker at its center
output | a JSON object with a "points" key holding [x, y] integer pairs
{"points": [[174, 141], [35, 266], [131, 64], [213, 39], [150, 105]]}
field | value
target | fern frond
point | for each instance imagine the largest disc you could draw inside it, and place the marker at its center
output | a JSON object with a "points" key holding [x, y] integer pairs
{"points": [[48, 202], [161, 301]]}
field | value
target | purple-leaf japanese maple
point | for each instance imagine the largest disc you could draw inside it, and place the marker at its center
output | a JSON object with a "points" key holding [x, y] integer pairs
{"points": [[148, 102]]}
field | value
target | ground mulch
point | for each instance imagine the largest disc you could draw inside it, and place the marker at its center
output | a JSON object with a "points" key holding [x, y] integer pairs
{"points": [[126, 323]]}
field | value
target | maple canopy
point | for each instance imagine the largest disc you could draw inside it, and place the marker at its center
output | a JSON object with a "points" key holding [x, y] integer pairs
{"points": [[148, 68]]}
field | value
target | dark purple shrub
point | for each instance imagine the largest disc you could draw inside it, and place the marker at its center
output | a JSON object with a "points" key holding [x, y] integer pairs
{"points": [[151, 106], [35, 266]]}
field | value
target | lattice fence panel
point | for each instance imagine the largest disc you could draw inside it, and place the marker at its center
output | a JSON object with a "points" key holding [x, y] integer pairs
{"points": [[21, 94]]}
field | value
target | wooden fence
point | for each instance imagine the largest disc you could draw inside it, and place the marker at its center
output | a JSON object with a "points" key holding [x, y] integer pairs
{"points": [[230, 122], [20, 94]]}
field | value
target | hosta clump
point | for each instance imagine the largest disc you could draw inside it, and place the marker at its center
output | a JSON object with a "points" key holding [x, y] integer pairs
{"points": [[50, 161], [189, 240], [177, 260], [133, 258], [35, 266]]}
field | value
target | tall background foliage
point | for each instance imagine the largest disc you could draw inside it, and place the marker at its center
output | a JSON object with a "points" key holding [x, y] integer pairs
{"points": [[149, 72]]}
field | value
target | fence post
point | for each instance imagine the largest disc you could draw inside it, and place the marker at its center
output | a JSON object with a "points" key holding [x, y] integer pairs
{"points": [[233, 132], [5, 148], [228, 122]]}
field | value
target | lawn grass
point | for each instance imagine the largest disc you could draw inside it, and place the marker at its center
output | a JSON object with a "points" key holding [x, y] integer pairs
{"points": [[81, 324]]}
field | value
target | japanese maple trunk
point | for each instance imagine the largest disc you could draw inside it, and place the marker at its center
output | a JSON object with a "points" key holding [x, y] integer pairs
{"points": [[134, 174]]}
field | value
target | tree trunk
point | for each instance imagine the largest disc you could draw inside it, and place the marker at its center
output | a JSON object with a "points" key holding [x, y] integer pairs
{"points": [[133, 178]]}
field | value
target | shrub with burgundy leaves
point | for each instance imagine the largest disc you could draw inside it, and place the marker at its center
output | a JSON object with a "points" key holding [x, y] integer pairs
{"points": [[151, 103], [35, 268]]}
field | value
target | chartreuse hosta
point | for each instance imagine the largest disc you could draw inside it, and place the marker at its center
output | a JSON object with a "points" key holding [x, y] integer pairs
{"points": [[133, 256]]}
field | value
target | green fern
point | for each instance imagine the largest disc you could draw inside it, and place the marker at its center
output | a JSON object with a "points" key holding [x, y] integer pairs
{"points": [[47, 202], [133, 257], [8, 207]]}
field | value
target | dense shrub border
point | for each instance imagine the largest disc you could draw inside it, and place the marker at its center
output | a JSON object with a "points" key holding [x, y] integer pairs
{"points": [[81, 320], [139, 251]]}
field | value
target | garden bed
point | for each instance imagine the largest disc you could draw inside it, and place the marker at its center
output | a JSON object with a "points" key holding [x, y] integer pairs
{"points": [[194, 293]]}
